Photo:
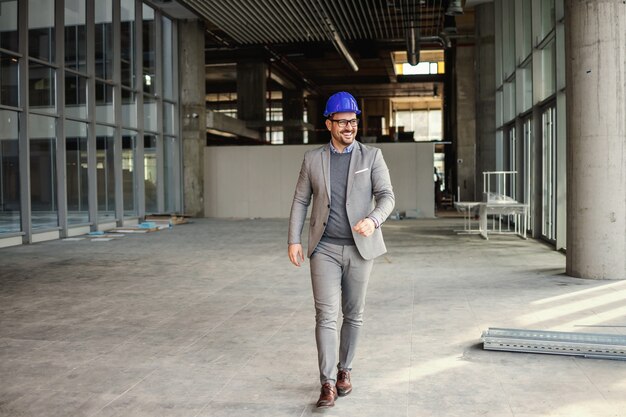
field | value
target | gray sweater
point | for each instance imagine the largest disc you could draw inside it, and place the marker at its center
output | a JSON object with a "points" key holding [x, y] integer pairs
{"points": [[338, 229]]}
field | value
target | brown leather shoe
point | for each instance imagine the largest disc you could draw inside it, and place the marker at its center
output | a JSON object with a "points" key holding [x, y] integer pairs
{"points": [[344, 386], [327, 396]]}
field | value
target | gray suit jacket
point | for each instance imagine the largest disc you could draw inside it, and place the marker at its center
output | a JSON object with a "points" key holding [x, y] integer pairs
{"points": [[369, 194]]}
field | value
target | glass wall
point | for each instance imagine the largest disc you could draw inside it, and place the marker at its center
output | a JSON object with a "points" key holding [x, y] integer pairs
{"points": [[10, 213], [426, 125], [98, 145], [150, 173], [105, 169], [9, 80], [43, 189], [76, 162], [530, 85], [129, 172], [170, 156], [75, 35], [8, 26]]}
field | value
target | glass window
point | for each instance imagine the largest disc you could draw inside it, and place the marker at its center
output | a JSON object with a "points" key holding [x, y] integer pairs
{"points": [[104, 103], [75, 96], [435, 125], [76, 172], [129, 172], [75, 35], [526, 80], [9, 91], [549, 174], [509, 101], [404, 121], [8, 25], [420, 124], [168, 60], [526, 28], [105, 146], [41, 29], [149, 50], [10, 206], [41, 91], [168, 119], [104, 39], [149, 113], [547, 17], [127, 36], [129, 108], [508, 38], [528, 169], [548, 71], [43, 185], [150, 173], [170, 156]]}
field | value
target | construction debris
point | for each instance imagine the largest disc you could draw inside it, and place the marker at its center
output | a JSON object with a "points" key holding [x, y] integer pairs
{"points": [[172, 219]]}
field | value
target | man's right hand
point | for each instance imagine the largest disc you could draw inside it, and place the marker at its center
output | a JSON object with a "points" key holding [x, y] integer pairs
{"points": [[296, 256]]}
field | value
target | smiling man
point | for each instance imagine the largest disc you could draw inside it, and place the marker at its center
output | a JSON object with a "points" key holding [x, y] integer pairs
{"points": [[352, 196]]}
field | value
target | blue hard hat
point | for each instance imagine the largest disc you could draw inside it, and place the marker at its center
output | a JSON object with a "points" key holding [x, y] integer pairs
{"points": [[341, 102]]}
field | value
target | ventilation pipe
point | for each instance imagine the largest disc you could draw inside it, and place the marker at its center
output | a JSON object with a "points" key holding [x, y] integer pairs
{"points": [[454, 8], [412, 32], [413, 44]]}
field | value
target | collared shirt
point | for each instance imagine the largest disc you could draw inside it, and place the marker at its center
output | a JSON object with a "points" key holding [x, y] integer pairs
{"points": [[348, 149]]}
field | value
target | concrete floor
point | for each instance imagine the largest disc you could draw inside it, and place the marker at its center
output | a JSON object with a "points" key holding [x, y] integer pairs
{"points": [[211, 319]]}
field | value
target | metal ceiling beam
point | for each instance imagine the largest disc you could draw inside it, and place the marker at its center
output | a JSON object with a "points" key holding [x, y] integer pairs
{"points": [[336, 39]]}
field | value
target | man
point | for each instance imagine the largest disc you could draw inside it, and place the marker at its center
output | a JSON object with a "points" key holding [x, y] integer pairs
{"points": [[352, 197]]}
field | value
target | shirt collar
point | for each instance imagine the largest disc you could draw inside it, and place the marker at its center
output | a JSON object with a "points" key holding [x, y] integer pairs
{"points": [[348, 149]]}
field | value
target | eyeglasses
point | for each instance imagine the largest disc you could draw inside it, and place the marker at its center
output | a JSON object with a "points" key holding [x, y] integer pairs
{"points": [[344, 122]]}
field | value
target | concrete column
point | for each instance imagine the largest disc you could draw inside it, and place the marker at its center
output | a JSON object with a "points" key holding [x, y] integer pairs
{"points": [[193, 108], [315, 116], [465, 124], [293, 111], [485, 93], [596, 137], [251, 90]]}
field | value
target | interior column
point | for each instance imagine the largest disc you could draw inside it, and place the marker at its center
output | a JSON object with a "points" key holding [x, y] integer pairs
{"points": [[596, 138]]}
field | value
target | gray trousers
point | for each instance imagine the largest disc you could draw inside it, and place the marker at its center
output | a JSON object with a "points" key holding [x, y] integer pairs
{"points": [[339, 275]]}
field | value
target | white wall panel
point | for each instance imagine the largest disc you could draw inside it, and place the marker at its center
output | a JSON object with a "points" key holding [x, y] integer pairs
{"points": [[259, 181]]}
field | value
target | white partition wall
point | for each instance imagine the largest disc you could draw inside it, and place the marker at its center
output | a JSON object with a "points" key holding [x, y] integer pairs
{"points": [[259, 181]]}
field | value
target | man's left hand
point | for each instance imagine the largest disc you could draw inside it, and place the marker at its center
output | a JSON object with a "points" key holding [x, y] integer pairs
{"points": [[365, 227]]}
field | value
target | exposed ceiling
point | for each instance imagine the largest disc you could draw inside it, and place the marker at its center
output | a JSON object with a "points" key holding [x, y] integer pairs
{"points": [[325, 45]]}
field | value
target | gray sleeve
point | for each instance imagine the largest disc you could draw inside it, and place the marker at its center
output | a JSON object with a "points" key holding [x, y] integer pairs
{"points": [[382, 190], [300, 204]]}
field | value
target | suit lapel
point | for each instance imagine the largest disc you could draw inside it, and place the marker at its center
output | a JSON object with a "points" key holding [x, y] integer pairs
{"points": [[326, 168], [355, 159]]}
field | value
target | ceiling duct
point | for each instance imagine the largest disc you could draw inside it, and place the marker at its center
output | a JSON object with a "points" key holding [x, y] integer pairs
{"points": [[454, 8], [411, 18]]}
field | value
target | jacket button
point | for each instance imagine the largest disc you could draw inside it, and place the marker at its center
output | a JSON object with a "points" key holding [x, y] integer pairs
{"points": [[329, 206], [324, 224]]}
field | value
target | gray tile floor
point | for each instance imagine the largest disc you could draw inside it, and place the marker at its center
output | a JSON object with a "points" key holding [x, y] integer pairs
{"points": [[210, 319]]}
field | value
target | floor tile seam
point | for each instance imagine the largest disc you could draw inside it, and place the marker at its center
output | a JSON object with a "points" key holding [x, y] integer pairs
{"points": [[41, 400], [216, 395], [286, 320], [95, 413], [173, 314], [216, 325], [582, 369]]}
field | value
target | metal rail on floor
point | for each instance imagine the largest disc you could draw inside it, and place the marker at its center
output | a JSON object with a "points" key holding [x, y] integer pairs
{"points": [[588, 345]]}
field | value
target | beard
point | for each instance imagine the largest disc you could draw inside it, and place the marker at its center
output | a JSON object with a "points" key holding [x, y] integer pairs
{"points": [[341, 138]]}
